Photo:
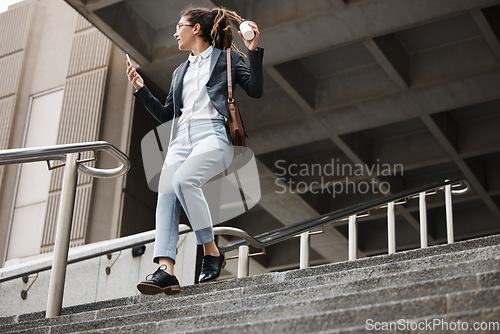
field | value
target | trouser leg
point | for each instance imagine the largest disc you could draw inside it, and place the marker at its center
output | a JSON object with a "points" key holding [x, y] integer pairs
{"points": [[193, 158], [211, 154], [188, 180], [168, 206], [167, 226]]}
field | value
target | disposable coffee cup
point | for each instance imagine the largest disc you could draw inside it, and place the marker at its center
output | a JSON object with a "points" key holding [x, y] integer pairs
{"points": [[246, 30]]}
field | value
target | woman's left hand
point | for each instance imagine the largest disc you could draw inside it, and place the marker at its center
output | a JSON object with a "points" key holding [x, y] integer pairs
{"points": [[252, 44]]}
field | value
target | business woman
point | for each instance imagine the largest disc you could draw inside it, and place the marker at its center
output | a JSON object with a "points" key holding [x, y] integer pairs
{"points": [[200, 146]]}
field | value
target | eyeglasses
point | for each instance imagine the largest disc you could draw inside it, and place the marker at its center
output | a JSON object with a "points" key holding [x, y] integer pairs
{"points": [[180, 25]]}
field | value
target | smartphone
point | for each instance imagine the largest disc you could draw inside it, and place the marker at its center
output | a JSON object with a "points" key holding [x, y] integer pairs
{"points": [[128, 59]]}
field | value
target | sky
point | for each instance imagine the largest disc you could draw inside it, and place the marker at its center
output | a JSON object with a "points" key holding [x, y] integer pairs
{"points": [[4, 4]]}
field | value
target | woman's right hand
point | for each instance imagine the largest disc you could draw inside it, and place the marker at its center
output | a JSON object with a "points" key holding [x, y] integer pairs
{"points": [[134, 77]]}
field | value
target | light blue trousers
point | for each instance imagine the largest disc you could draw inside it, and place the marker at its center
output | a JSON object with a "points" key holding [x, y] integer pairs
{"points": [[199, 151]]}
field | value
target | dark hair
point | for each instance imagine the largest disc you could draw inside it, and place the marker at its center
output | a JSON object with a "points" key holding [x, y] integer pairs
{"points": [[215, 25]]}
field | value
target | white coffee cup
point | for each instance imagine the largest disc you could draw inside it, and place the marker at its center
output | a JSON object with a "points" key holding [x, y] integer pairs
{"points": [[246, 30]]}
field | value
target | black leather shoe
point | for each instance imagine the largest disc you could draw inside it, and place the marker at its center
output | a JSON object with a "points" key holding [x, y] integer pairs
{"points": [[211, 267], [159, 282]]}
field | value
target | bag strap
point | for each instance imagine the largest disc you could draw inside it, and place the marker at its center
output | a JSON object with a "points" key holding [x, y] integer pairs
{"points": [[229, 77]]}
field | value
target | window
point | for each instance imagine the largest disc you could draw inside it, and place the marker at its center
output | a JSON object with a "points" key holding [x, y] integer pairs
{"points": [[34, 178]]}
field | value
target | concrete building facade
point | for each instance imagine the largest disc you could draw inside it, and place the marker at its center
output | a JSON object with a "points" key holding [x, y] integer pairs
{"points": [[64, 84]]}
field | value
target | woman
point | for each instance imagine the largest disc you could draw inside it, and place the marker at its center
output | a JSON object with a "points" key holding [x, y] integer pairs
{"points": [[200, 146]]}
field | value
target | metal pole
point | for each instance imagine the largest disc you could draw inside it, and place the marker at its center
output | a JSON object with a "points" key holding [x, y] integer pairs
{"points": [[423, 220], [243, 263], [353, 238], [59, 262], [449, 213], [391, 228], [305, 244]]}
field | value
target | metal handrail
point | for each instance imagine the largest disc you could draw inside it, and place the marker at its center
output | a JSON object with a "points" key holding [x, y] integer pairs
{"points": [[236, 232], [59, 152], [283, 233], [70, 154]]}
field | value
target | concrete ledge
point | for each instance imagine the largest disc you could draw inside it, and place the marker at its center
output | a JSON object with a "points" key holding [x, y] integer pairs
{"points": [[87, 282]]}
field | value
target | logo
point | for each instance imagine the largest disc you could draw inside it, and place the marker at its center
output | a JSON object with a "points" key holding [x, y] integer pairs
{"points": [[229, 193]]}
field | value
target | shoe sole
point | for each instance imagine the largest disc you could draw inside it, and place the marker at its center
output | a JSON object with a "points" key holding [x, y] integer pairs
{"points": [[212, 280], [150, 289]]}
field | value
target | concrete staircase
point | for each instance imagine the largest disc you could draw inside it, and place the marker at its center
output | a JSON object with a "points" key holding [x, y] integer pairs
{"points": [[446, 283]]}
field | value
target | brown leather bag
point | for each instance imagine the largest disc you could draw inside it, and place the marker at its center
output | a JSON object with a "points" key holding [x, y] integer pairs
{"points": [[238, 134]]}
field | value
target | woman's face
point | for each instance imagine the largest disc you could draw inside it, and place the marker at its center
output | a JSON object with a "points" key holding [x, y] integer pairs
{"points": [[185, 34]]}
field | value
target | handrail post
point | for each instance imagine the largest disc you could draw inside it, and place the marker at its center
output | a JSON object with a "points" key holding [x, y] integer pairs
{"points": [[63, 233], [243, 262], [391, 228], [423, 219], [449, 213], [353, 238], [305, 244]]}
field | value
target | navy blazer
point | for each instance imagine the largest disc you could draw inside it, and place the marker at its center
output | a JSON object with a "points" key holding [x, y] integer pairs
{"points": [[251, 79]]}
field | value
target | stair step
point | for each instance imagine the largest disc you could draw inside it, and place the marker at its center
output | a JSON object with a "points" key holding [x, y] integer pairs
{"points": [[403, 277], [415, 254], [282, 281], [9, 320], [437, 323], [268, 320], [445, 323], [389, 271], [321, 321], [396, 261], [76, 309], [466, 278], [300, 287]]}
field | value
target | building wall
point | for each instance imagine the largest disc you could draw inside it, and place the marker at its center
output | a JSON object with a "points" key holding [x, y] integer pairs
{"points": [[80, 121], [16, 63], [47, 48]]}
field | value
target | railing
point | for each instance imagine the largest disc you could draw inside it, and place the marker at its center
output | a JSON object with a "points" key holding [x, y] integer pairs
{"points": [[303, 228], [70, 153], [59, 152]]}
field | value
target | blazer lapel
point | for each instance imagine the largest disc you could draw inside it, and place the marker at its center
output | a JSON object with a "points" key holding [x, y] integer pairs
{"points": [[213, 60], [178, 87]]}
